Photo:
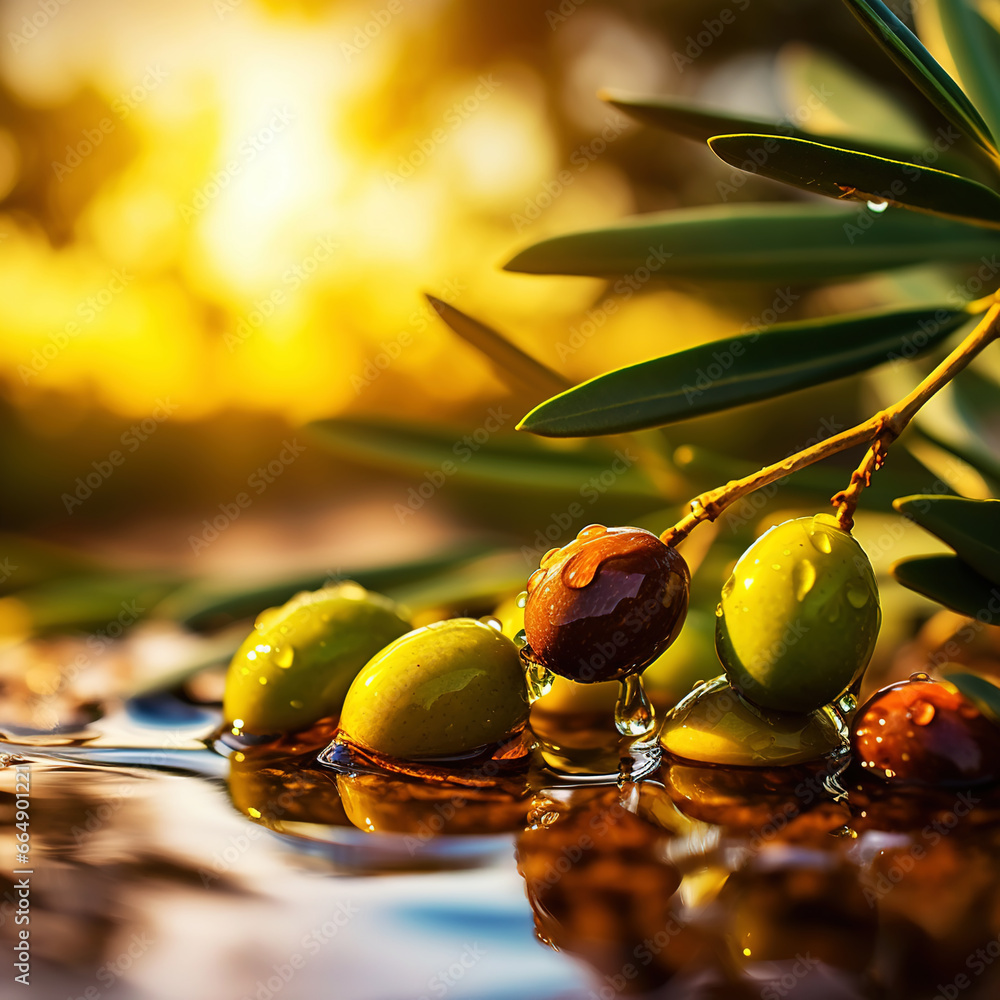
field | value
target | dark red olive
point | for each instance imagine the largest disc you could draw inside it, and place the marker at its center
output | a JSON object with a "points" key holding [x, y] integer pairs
{"points": [[607, 604], [921, 732]]}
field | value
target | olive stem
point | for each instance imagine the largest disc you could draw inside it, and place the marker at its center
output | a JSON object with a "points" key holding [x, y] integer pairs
{"points": [[881, 429]]}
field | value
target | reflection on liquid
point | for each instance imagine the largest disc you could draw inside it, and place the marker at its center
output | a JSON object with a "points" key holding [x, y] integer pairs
{"points": [[700, 881], [601, 889]]}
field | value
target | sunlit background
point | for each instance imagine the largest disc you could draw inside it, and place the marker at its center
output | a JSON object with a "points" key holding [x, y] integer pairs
{"points": [[219, 217], [218, 223], [219, 220]]}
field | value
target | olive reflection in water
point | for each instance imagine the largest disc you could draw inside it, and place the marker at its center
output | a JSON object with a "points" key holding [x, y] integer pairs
{"points": [[800, 912], [601, 889], [424, 810], [935, 882], [278, 790]]}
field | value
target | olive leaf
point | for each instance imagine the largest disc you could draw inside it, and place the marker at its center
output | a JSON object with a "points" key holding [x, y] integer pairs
{"points": [[970, 527], [961, 418], [700, 124], [924, 71], [973, 45], [848, 174], [769, 243], [471, 585], [106, 601], [727, 373], [840, 101], [949, 581], [498, 460], [210, 603], [510, 361], [984, 694]]}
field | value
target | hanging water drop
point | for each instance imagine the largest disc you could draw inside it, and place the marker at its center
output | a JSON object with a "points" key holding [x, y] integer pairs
{"points": [[633, 713], [539, 679]]}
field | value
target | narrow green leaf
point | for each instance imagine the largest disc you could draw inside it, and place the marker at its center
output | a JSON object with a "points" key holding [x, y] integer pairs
{"points": [[970, 527], [962, 418], [700, 124], [984, 694], [473, 458], [467, 587], [838, 100], [747, 368], [768, 243], [211, 603], [104, 603], [949, 581], [906, 51], [511, 362], [849, 175], [974, 47], [987, 466]]}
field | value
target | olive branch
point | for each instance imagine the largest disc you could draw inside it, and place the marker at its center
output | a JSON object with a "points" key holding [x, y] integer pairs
{"points": [[881, 429]]}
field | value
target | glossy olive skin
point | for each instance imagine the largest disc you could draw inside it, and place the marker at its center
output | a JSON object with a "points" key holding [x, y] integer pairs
{"points": [[444, 690], [298, 662], [606, 605], [799, 616], [922, 732]]}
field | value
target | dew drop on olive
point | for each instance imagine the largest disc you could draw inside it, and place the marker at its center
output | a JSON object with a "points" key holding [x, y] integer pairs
{"points": [[607, 604], [298, 662], [444, 690], [799, 616], [922, 732]]}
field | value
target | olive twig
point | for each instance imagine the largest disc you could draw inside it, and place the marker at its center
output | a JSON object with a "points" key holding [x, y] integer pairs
{"points": [[881, 429]]}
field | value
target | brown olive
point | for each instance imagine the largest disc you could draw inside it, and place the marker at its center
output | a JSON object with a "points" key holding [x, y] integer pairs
{"points": [[605, 605], [922, 732]]}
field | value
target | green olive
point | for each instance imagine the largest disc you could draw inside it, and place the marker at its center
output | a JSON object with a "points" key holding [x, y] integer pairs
{"points": [[298, 662], [799, 616], [444, 690], [713, 725]]}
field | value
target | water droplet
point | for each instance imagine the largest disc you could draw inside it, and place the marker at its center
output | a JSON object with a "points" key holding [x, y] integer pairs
{"points": [[919, 675], [266, 619], [539, 679], [877, 205], [922, 712], [262, 680], [633, 713], [591, 531], [522, 599], [847, 703], [858, 595], [535, 579], [776, 566], [718, 611], [727, 587], [493, 622], [548, 818], [549, 558], [803, 578], [521, 639], [579, 571], [284, 655], [821, 540]]}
